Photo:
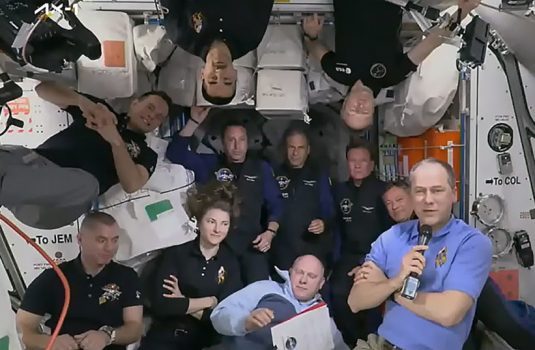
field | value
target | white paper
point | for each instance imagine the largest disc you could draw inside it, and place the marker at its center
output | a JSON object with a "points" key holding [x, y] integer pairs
{"points": [[310, 330]]}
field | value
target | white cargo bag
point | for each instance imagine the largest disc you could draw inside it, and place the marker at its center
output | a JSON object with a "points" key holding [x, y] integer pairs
{"points": [[281, 92], [419, 101], [281, 48], [114, 74]]}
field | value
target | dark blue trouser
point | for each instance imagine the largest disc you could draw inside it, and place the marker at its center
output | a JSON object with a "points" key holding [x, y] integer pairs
{"points": [[352, 326]]}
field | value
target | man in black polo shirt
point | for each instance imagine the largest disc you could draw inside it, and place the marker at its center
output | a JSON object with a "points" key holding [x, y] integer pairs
{"points": [[106, 309], [362, 217], [53, 185], [219, 32], [369, 54]]}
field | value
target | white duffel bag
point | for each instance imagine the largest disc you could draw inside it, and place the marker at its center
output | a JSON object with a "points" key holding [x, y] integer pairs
{"points": [[419, 101], [114, 74], [281, 48]]}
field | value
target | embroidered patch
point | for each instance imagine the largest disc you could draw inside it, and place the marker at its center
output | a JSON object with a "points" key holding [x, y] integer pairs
{"points": [[283, 182], [133, 149], [310, 183], [112, 292], [442, 257], [367, 210], [221, 274], [346, 205], [342, 68], [250, 178], [197, 21], [378, 71], [224, 175]]}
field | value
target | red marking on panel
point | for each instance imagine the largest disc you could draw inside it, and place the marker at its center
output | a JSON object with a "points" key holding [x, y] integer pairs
{"points": [[20, 109], [19, 106]]}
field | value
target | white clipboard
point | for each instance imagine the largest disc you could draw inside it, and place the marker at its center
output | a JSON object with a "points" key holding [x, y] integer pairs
{"points": [[308, 330]]}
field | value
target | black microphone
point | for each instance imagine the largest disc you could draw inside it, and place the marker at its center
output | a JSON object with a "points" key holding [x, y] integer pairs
{"points": [[412, 282]]}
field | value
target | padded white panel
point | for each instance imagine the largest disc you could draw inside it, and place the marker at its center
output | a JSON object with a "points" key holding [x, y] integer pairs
{"points": [[281, 92], [94, 77], [281, 48], [249, 60]]}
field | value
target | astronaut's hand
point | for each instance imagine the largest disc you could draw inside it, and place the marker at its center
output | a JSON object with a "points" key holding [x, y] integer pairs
{"points": [[312, 25], [467, 6]]}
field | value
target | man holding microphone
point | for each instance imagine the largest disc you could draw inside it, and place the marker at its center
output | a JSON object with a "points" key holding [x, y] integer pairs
{"points": [[451, 270]]}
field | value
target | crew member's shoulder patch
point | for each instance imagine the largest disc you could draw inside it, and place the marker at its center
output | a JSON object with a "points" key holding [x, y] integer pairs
{"points": [[283, 182], [442, 257], [224, 175], [346, 205], [221, 275], [378, 70], [197, 22]]}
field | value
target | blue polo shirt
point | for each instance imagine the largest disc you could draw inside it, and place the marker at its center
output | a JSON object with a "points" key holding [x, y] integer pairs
{"points": [[459, 258]]}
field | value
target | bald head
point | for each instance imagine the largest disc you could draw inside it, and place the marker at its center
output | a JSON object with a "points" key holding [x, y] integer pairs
{"points": [[309, 261], [306, 277]]}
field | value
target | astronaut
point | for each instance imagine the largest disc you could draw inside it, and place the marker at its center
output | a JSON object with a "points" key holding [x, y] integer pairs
{"points": [[370, 57]]}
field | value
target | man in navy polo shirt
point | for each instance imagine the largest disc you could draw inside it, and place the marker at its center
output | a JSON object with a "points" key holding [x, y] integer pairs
{"points": [[453, 269], [53, 185], [105, 311]]}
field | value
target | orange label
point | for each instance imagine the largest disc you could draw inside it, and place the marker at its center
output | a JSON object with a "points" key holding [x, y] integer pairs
{"points": [[114, 55]]}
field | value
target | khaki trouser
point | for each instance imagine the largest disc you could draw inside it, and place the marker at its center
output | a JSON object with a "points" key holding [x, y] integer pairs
{"points": [[374, 342]]}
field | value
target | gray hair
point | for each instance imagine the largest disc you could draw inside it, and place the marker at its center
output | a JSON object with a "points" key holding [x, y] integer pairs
{"points": [[447, 167]]}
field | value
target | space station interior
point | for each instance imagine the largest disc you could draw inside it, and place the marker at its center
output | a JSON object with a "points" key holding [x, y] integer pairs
{"points": [[470, 103]]}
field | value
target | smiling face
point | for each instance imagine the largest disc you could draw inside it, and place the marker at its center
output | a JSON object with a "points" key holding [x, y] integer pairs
{"points": [[214, 226], [147, 113], [398, 203], [99, 244]]}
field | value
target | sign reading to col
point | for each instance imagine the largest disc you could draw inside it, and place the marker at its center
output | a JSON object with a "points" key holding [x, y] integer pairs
{"points": [[508, 180]]}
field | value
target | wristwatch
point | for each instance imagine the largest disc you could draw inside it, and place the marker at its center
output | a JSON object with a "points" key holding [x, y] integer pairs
{"points": [[272, 231], [311, 38], [110, 331]]}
